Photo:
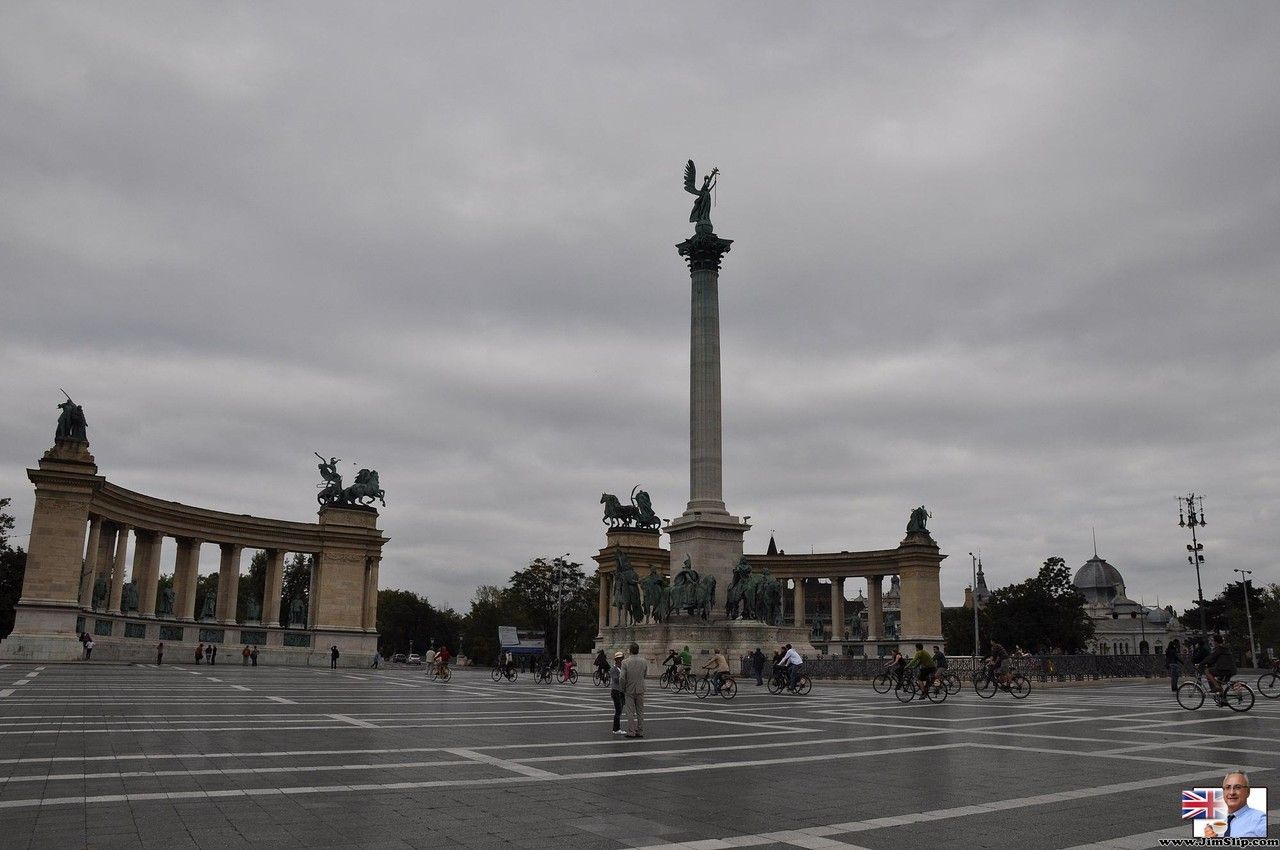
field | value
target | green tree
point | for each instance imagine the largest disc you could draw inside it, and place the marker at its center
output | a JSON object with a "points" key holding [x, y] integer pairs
{"points": [[13, 566], [408, 622], [1043, 613], [252, 586], [296, 582], [491, 607], [1226, 614], [535, 591], [957, 629]]}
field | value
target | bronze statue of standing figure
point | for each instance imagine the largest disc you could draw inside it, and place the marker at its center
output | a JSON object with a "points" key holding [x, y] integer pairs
{"points": [[702, 207]]}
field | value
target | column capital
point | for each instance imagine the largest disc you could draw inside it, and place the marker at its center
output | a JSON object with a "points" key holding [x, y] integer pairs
{"points": [[703, 251]]}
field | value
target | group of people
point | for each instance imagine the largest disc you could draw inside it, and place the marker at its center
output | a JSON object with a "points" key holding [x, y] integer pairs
{"points": [[930, 667]]}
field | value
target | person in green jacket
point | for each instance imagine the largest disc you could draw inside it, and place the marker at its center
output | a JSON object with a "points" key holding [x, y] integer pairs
{"points": [[924, 664]]}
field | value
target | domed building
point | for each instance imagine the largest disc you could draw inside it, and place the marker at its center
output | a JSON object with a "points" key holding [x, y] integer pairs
{"points": [[1121, 626]]}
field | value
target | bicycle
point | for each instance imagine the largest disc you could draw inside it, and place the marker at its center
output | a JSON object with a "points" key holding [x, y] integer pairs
{"points": [[572, 678], [440, 674], [779, 682], [909, 690], [703, 688], [500, 672], [543, 675], [884, 682], [1235, 695], [950, 681], [600, 677], [1019, 686], [683, 680], [1269, 683]]}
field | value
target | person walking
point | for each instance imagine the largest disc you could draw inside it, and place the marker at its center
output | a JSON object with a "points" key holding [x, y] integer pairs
{"points": [[88, 649], [213, 654], [333, 657], [1173, 662], [757, 665], [199, 651], [634, 669], [159, 653], [615, 691], [253, 657], [244, 656], [377, 659]]}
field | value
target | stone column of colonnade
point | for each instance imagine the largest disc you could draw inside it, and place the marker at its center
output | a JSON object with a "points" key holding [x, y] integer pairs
{"points": [[875, 611], [370, 619], [106, 552], [186, 577], [602, 604], [274, 587], [92, 552], [798, 600], [148, 589], [228, 583], [117, 570], [837, 608]]}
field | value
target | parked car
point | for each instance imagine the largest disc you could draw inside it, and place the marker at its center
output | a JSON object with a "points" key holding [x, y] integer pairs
{"points": [[398, 658], [414, 658]]}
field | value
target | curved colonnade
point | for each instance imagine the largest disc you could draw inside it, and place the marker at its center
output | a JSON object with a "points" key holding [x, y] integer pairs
{"points": [[80, 538]]}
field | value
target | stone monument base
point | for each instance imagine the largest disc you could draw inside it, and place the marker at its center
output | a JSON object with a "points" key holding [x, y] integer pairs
{"points": [[735, 638]]}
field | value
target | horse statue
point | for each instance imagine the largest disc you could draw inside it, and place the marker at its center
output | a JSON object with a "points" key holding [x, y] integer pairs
{"points": [[366, 487], [704, 597], [735, 597], [654, 591], [639, 513], [626, 589], [617, 514]]}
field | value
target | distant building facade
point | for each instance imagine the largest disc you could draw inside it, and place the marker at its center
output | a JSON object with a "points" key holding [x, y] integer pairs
{"points": [[1122, 626]]}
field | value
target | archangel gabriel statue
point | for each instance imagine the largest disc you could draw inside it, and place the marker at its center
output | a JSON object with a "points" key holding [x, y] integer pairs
{"points": [[701, 207]]}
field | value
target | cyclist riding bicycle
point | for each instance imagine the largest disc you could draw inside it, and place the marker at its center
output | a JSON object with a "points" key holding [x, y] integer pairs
{"points": [[719, 667], [1219, 665], [995, 665], [567, 668], [672, 661], [442, 660], [939, 663], [896, 667], [922, 661], [791, 662]]}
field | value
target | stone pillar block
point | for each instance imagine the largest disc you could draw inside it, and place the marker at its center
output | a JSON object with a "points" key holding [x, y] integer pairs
{"points": [[149, 588], [798, 597], [117, 569], [91, 554]]}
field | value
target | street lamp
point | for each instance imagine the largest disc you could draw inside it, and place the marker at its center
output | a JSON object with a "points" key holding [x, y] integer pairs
{"points": [[1244, 585], [1193, 507], [973, 597], [559, 564]]}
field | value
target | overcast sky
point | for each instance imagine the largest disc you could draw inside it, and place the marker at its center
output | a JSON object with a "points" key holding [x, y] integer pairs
{"points": [[1015, 262]]}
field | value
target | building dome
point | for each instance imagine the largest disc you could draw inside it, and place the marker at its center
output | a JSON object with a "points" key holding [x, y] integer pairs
{"points": [[1099, 582]]}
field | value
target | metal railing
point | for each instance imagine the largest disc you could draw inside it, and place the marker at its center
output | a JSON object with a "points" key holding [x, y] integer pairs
{"points": [[1038, 668]]}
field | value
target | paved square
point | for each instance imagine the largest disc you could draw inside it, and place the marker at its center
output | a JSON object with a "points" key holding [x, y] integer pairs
{"points": [[229, 756]]}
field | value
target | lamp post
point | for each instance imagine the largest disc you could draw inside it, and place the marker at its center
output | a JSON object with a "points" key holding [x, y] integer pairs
{"points": [[1244, 585], [973, 597], [559, 563], [1191, 514]]}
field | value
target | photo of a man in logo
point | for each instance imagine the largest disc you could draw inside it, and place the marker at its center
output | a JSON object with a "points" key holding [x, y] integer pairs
{"points": [[1242, 820]]}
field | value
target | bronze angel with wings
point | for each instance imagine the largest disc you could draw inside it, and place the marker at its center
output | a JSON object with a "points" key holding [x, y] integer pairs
{"points": [[702, 206]]}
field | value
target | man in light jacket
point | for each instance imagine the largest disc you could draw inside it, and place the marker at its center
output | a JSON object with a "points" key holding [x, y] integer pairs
{"points": [[633, 673]]}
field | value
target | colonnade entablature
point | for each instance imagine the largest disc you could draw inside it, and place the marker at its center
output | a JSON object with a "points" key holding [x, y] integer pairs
{"points": [[75, 579]]}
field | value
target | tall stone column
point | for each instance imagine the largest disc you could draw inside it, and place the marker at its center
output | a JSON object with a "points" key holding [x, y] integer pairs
{"points": [[799, 601], [705, 532], [228, 582], [274, 587], [875, 609], [148, 590], [91, 554], [837, 608], [117, 569], [186, 577], [919, 568]]}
